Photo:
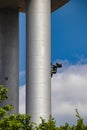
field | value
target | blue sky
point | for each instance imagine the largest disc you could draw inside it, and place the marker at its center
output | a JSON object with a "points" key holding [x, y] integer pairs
{"points": [[69, 31], [69, 45]]}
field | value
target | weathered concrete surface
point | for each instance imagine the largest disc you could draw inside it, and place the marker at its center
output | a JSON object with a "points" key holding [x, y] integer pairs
{"points": [[9, 55]]}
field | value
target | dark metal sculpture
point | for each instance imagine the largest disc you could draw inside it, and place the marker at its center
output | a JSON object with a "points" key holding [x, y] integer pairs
{"points": [[54, 68]]}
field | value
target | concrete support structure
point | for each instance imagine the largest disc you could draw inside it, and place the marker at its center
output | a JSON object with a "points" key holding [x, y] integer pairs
{"points": [[38, 77], [9, 55], [38, 83]]}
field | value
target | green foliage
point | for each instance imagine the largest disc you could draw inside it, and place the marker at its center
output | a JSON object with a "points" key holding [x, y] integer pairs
{"points": [[12, 121], [49, 125], [23, 121], [3, 96], [16, 122], [3, 93]]}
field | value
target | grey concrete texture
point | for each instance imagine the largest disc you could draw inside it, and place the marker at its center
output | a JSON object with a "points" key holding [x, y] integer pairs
{"points": [[38, 77], [9, 55]]}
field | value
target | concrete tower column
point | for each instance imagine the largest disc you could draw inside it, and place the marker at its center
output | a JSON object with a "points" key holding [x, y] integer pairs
{"points": [[9, 55], [38, 78]]}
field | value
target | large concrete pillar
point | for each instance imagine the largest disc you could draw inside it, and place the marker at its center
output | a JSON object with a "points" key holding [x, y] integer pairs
{"points": [[38, 78], [9, 55]]}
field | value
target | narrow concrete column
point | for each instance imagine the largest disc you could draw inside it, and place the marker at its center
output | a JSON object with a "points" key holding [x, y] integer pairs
{"points": [[38, 78], [9, 55]]}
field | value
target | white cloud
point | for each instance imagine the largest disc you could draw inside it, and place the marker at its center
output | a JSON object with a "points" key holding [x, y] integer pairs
{"points": [[69, 91], [22, 99]]}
